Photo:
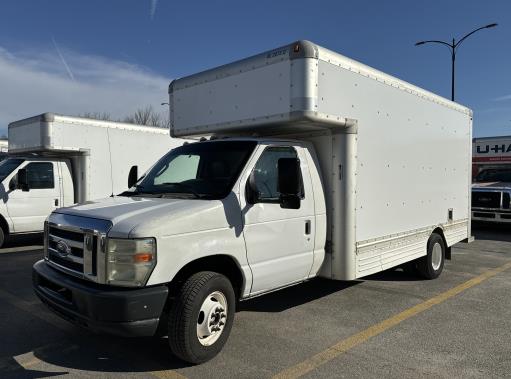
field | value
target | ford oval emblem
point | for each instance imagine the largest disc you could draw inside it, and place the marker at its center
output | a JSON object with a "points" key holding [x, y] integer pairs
{"points": [[63, 249]]}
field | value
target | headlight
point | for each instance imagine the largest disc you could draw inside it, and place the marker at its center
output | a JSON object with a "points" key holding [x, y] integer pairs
{"points": [[130, 261]]}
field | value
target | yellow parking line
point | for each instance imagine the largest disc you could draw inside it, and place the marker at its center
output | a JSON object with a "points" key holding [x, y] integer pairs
{"points": [[27, 360], [346, 344]]}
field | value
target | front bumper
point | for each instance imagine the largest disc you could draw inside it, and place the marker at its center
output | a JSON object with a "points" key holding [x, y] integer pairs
{"points": [[122, 311], [491, 215]]}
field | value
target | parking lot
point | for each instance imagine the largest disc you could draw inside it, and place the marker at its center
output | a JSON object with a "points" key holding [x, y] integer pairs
{"points": [[387, 325]]}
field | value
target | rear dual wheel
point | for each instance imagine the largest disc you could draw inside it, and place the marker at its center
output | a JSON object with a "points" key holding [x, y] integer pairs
{"points": [[201, 317]]}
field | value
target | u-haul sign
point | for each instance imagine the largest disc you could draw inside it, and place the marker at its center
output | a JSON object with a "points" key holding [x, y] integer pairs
{"points": [[491, 150]]}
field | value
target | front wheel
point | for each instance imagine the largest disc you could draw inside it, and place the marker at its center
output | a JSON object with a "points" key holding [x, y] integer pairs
{"points": [[431, 266], [2, 237], [201, 317]]}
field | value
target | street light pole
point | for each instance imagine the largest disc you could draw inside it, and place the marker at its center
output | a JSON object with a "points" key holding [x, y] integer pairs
{"points": [[453, 65], [453, 47]]}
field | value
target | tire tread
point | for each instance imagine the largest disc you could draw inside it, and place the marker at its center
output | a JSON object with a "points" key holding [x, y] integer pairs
{"points": [[182, 311]]}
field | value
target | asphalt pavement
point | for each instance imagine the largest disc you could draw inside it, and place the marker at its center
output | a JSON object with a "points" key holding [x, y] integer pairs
{"points": [[389, 325]]}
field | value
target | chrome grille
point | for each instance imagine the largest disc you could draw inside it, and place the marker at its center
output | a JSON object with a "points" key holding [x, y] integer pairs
{"points": [[486, 199], [66, 248], [76, 245]]}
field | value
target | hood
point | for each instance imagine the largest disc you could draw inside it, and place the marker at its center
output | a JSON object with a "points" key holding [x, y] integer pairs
{"points": [[135, 217], [493, 185]]}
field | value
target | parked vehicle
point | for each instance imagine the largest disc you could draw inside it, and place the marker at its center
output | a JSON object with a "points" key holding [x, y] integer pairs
{"points": [[58, 161], [317, 165], [4, 149], [491, 167]]}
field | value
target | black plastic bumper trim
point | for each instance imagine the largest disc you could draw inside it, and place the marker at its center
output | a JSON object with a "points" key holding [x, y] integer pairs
{"points": [[122, 311]]}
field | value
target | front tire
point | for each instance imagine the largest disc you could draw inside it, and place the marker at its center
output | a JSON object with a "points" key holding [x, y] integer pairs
{"points": [[431, 266], [2, 237], [201, 317]]}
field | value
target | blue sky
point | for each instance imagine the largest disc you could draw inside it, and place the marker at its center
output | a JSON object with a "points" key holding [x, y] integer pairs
{"points": [[114, 56]]}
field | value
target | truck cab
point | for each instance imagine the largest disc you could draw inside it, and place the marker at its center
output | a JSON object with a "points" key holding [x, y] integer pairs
{"points": [[491, 194], [243, 208], [47, 184]]}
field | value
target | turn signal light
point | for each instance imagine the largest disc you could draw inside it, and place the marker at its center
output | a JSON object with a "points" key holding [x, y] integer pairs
{"points": [[142, 257]]}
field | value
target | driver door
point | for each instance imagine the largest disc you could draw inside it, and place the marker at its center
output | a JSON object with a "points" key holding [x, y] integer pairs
{"points": [[29, 209], [279, 241]]}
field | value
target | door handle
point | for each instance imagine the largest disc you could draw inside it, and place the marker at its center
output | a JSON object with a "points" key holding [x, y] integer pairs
{"points": [[56, 202], [308, 227]]}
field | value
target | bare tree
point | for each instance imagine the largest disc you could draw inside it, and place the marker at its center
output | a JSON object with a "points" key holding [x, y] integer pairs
{"points": [[97, 115], [147, 116], [142, 116]]}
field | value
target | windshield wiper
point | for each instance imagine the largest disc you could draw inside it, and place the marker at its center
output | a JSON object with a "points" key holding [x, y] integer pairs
{"points": [[138, 191], [184, 186]]}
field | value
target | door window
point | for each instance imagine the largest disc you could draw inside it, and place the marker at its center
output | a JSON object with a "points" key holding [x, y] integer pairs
{"points": [[266, 172], [40, 175]]}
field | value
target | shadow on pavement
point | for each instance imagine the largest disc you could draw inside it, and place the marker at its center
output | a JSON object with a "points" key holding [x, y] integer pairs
{"points": [[24, 240], [105, 353], [295, 295], [491, 232], [395, 275], [28, 327]]}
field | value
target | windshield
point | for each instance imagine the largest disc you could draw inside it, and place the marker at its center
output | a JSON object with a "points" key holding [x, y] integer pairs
{"points": [[9, 165], [199, 170], [502, 175]]}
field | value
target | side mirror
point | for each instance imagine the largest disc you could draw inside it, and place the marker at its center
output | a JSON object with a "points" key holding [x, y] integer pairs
{"points": [[289, 182], [132, 176], [252, 193], [22, 182]]}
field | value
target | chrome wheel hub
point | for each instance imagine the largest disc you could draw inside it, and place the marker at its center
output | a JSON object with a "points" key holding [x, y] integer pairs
{"points": [[212, 318], [436, 256]]}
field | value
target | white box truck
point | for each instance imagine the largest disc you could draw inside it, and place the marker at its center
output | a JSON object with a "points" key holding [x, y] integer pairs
{"points": [[57, 161], [491, 170], [317, 165]]}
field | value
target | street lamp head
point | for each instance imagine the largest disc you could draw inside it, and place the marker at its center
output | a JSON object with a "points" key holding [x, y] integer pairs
{"points": [[420, 43], [491, 25]]}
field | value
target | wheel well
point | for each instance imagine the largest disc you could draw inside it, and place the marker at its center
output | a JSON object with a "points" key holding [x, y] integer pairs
{"points": [[4, 225], [223, 264], [440, 232]]}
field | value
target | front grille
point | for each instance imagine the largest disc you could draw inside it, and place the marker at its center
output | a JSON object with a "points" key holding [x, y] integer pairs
{"points": [[76, 245], [75, 251], [65, 262], [66, 234], [486, 199], [505, 200]]}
